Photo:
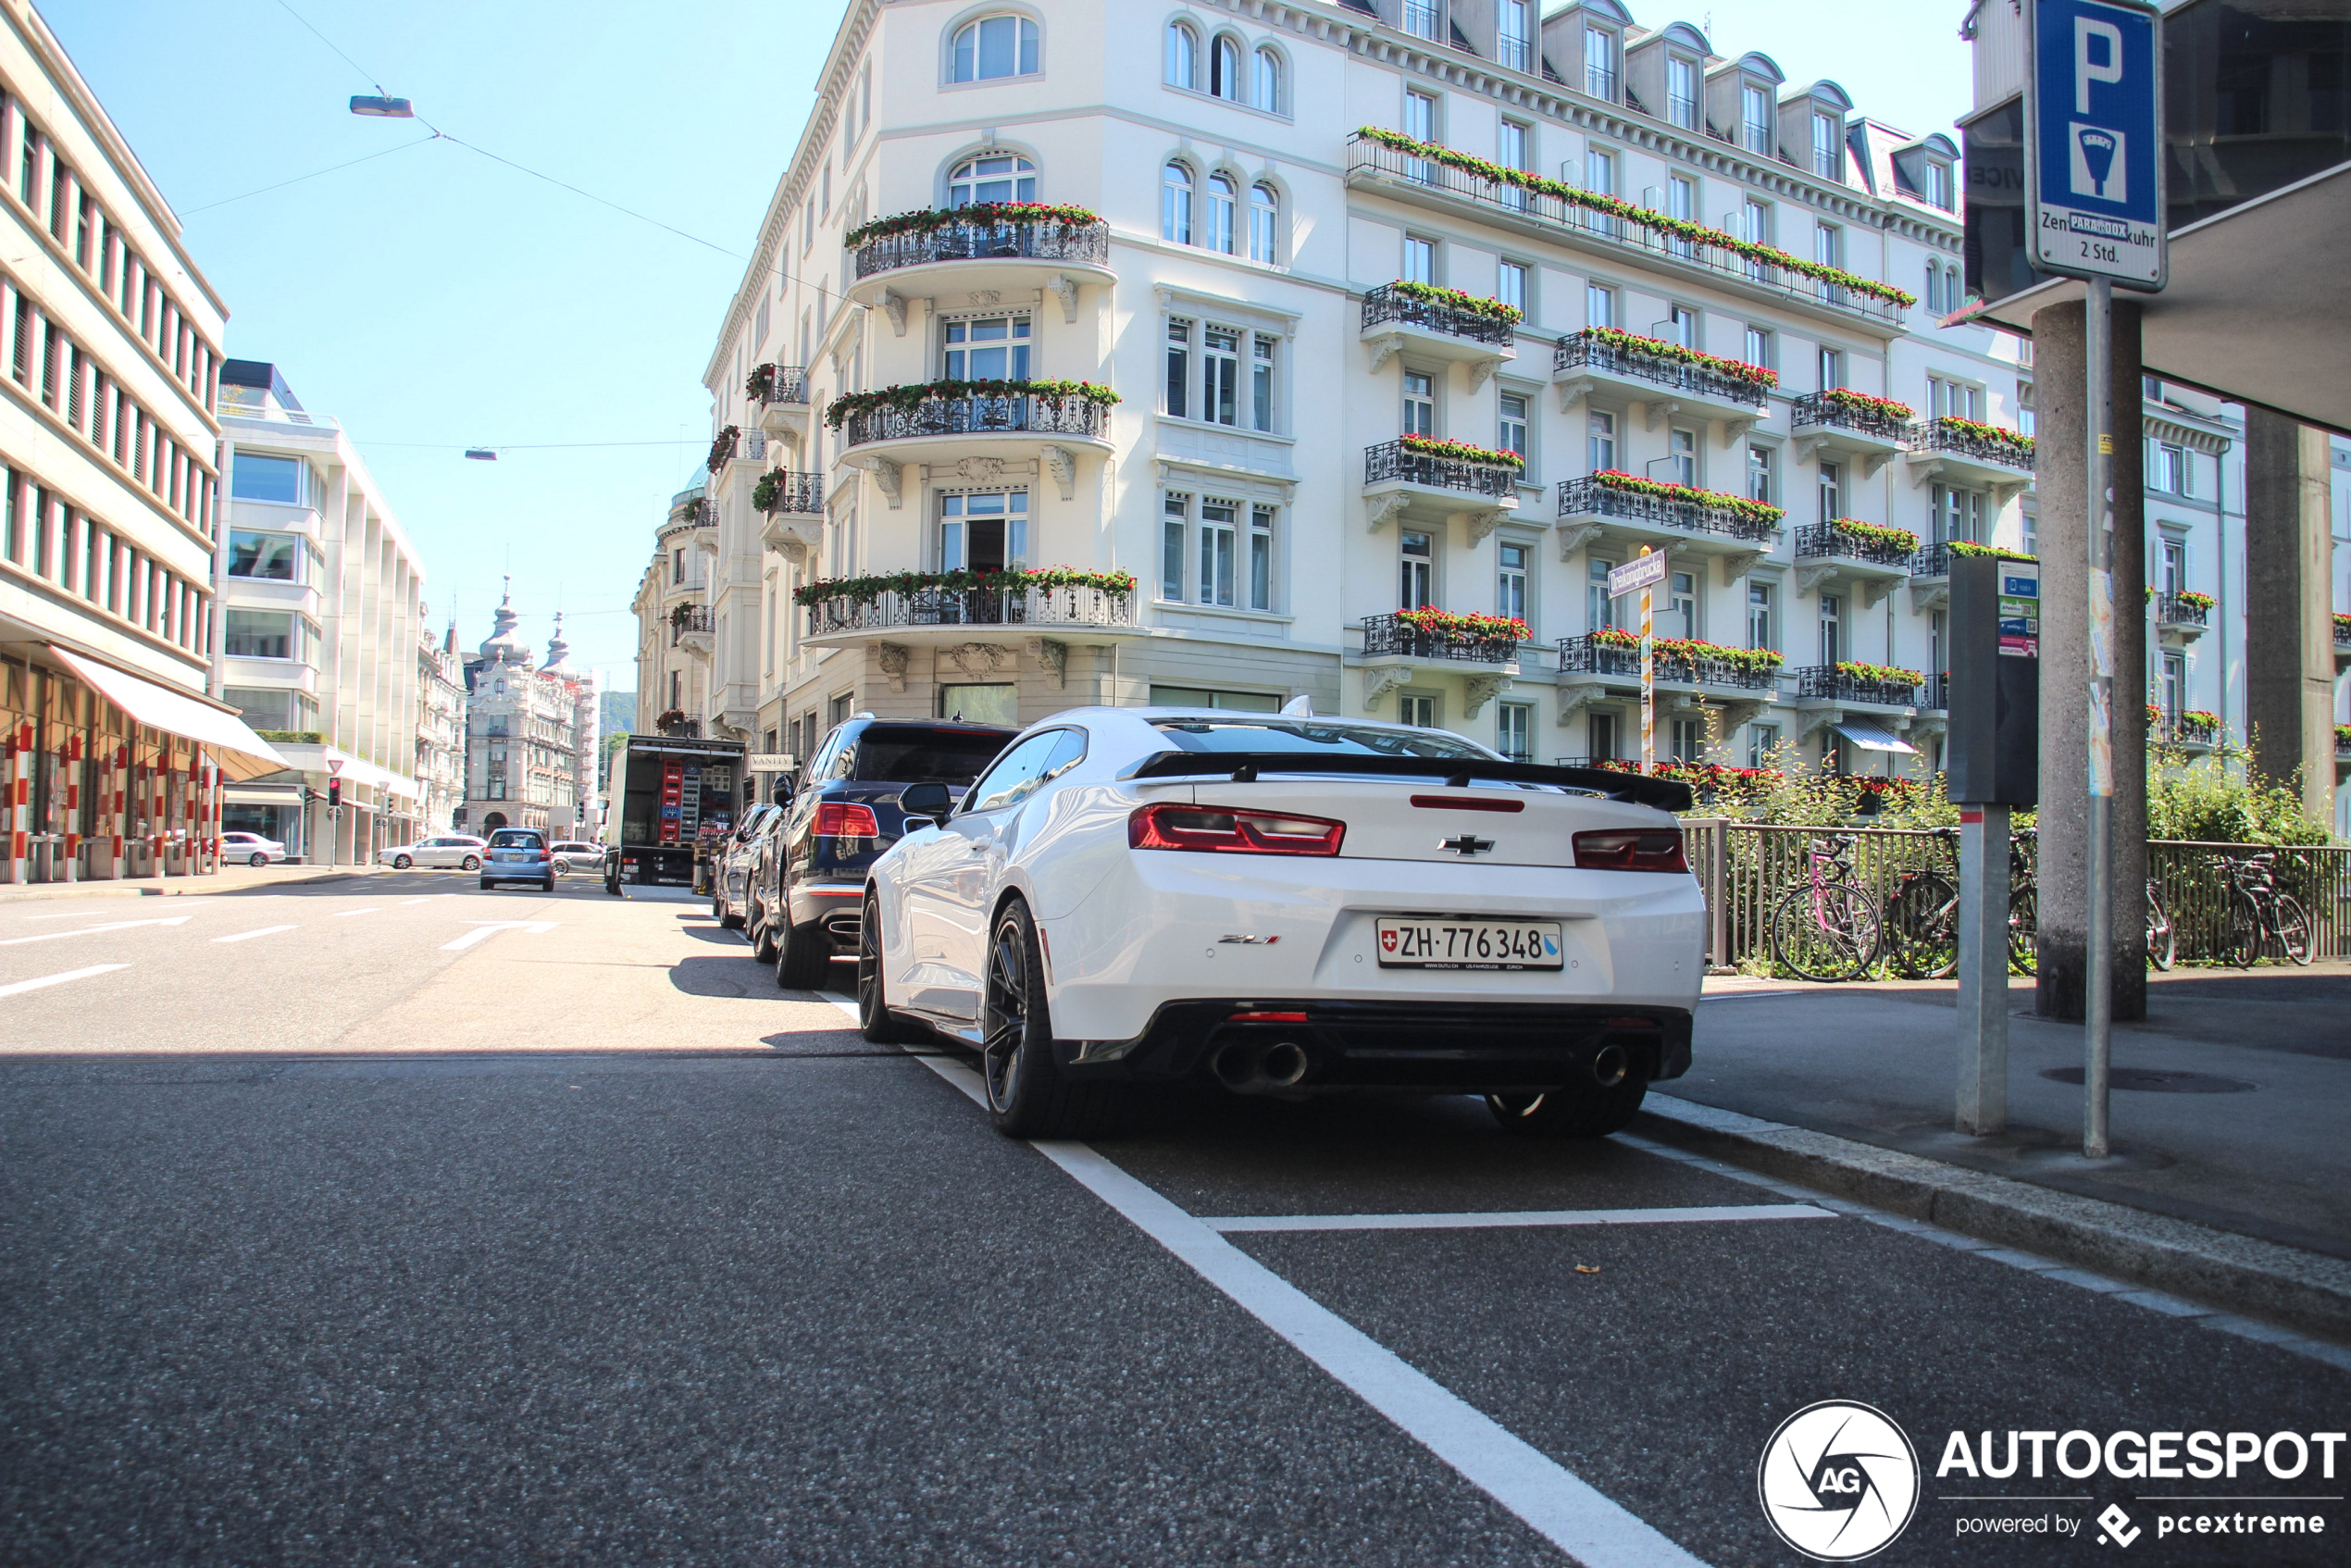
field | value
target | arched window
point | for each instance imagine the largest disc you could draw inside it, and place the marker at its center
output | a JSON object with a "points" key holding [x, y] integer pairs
{"points": [[1003, 177], [1183, 56], [1264, 223], [1224, 211], [1268, 94], [1176, 204], [995, 46], [1224, 67], [1933, 288]]}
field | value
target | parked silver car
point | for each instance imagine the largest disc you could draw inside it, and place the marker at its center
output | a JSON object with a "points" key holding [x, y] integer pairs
{"points": [[452, 852], [250, 848], [578, 855]]}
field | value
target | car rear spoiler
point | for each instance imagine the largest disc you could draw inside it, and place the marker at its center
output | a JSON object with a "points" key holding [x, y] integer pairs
{"points": [[1245, 767]]}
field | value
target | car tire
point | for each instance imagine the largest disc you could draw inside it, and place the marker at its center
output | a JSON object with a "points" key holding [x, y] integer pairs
{"points": [[1584, 1109], [471, 863], [803, 957], [1027, 1095], [762, 934], [548, 885], [257, 858], [875, 1020], [487, 884], [400, 863]]}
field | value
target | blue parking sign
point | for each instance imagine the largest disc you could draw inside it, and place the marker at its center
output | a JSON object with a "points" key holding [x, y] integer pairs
{"points": [[2094, 141]]}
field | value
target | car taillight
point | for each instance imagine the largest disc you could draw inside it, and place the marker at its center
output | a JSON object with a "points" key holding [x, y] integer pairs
{"points": [[1636, 849], [1169, 825], [846, 819]]}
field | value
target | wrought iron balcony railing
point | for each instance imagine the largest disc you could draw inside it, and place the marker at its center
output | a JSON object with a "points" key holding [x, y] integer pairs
{"points": [[973, 606], [1388, 302], [1391, 460], [1933, 560], [1938, 692], [1828, 683], [688, 618], [1821, 409], [795, 491], [2188, 729], [2175, 609], [1822, 540], [771, 384], [723, 447], [1594, 654], [1935, 435], [1393, 634], [1589, 497], [972, 415], [1576, 352], [1044, 240], [700, 512]]}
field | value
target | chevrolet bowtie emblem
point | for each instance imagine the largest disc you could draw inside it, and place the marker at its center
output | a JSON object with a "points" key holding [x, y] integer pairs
{"points": [[1465, 844]]}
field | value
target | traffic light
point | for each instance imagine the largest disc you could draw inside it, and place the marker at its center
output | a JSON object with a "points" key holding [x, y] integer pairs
{"points": [[334, 794]]}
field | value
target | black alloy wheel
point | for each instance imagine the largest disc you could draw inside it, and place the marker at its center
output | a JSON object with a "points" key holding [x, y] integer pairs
{"points": [[875, 1020], [762, 933], [804, 955], [1027, 1095]]}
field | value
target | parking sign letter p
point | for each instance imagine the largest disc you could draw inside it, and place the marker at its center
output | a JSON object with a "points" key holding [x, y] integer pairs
{"points": [[2086, 71]]}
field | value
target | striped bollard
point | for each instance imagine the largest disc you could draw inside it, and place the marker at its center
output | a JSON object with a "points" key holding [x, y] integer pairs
{"points": [[73, 808], [20, 805]]}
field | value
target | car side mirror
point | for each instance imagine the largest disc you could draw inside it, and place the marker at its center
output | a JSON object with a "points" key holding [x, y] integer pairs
{"points": [[782, 796], [931, 801]]}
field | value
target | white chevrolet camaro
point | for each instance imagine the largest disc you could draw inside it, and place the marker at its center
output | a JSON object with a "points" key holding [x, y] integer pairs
{"points": [[1288, 906]]}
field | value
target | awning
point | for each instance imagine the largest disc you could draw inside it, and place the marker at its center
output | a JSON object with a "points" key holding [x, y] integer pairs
{"points": [[240, 753], [262, 794], [1870, 737]]}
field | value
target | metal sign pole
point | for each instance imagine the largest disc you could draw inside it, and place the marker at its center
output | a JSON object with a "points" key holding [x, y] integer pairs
{"points": [[2097, 1044], [1649, 686]]}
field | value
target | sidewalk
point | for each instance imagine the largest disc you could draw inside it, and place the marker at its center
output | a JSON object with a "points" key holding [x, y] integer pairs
{"points": [[2229, 1110], [227, 880]]}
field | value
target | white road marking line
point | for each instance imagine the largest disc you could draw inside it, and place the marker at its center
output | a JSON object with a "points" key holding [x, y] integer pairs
{"points": [[426, 900], [93, 931], [1555, 1503], [1528, 1217], [347, 914], [485, 930], [61, 979], [256, 931]]}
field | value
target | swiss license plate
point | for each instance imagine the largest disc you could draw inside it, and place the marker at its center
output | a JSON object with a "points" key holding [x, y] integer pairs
{"points": [[1469, 944]]}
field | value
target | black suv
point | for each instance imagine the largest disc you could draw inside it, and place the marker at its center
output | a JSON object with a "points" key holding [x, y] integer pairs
{"points": [[802, 907]]}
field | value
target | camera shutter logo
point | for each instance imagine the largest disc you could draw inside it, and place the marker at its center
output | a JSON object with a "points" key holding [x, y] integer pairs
{"points": [[1838, 1481]]}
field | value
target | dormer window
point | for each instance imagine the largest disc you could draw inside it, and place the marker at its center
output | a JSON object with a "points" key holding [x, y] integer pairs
{"points": [[1938, 184], [1514, 34], [1681, 90], [1828, 146], [1755, 118], [1422, 18], [1599, 63]]}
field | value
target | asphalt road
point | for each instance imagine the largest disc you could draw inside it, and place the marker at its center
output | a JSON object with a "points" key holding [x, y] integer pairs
{"points": [[397, 1222]]}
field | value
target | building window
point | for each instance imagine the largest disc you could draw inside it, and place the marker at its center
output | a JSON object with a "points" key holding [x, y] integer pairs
{"points": [[1420, 116], [1832, 491], [983, 532], [1601, 437], [1261, 382], [1417, 711], [2169, 469], [1955, 513], [1934, 305], [260, 634], [1175, 511], [1420, 259], [1956, 399], [1758, 346], [1510, 285], [987, 348], [1261, 559], [1828, 148], [1420, 404], [995, 47], [1513, 731], [1270, 93], [1224, 67], [1514, 564], [1264, 223], [1828, 249], [1680, 91], [1516, 146], [1225, 399], [1763, 629], [2173, 697], [1938, 184], [1221, 375], [1831, 628], [1224, 215], [1416, 585], [1005, 177], [1601, 733], [1599, 177], [1763, 743], [1599, 604], [1681, 605], [1683, 322], [1423, 18], [1514, 34], [1183, 56], [1516, 417], [1599, 305], [1219, 551], [269, 556], [1755, 118], [1832, 367], [2171, 567], [1599, 63], [1176, 204], [1179, 363], [1681, 452], [253, 477]]}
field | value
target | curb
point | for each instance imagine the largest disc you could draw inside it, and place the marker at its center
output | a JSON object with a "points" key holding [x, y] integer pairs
{"points": [[184, 887], [2286, 1285]]}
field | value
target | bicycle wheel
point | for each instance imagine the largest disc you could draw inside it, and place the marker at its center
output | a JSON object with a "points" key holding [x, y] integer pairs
{"points": [[1826, 933], [2293, 927], [1922, 927], [2024, 898], [2163, 938], [2241, 933]]}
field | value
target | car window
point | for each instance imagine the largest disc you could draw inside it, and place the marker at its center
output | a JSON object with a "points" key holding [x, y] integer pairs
{"points": [[919, 754], [514, 839], [1017, 772], [1238, 734]]}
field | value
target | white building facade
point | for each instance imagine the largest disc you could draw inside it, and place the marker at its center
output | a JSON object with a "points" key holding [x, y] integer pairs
{"points": [[441, 730], [321, 598], [528, 761], [1413, 322]]}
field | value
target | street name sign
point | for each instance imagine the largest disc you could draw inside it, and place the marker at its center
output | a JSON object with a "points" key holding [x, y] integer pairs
{"points": [[2094, 141], [1641, 571]]}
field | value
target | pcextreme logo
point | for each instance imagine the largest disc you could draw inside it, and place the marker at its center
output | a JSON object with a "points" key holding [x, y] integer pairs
{"points": [[1838, 1481]]}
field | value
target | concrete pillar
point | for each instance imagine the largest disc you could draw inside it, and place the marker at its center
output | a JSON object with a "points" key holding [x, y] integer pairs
{"points": [[2060, 475], [2289, 603]]}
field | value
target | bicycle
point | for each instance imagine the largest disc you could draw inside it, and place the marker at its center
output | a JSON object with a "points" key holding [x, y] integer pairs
{"points": [[2163, 936], [2260, 912], [1922, 919], [2024, 898], [1827, 928]]}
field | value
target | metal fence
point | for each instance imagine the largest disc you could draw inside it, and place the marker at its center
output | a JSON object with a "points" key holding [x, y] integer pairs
{"points": [[1746, 868]]}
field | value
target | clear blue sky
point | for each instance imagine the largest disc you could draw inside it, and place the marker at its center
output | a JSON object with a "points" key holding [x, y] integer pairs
{"points": [[432, 298]]}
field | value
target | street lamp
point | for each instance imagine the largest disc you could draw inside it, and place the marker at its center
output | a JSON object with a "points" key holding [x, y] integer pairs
{"points": [[382, 108]]}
